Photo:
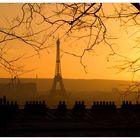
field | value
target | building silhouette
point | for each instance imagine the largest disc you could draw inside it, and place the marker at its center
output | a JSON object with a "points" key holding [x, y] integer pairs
{"points": [[58, 85], [37, 119], [17, 88]]}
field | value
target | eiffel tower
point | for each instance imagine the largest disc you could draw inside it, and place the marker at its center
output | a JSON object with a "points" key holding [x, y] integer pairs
{"points": [[58, 86]]}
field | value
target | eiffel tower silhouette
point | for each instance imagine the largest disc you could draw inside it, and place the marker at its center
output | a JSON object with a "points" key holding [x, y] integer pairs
{"points": [[58, 85]]}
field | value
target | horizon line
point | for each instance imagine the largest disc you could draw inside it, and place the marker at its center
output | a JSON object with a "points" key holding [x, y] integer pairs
{"points": [[70, 79]]}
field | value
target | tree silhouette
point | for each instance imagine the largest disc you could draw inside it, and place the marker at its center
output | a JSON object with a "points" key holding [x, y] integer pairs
{"points": [[75, 20]]}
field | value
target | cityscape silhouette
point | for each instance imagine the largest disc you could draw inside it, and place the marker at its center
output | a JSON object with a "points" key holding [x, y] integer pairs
{"points": [[69, 70]]}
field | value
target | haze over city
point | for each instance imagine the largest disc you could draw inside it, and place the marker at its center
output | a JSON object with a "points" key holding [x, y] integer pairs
{"points": [[69, 69]]}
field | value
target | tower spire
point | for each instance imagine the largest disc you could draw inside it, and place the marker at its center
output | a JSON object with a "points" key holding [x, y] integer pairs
{"points": [[58, 63], [58, 86]]}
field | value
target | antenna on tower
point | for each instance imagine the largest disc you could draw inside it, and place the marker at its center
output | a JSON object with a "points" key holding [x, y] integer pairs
{"points": [[36, 76]]}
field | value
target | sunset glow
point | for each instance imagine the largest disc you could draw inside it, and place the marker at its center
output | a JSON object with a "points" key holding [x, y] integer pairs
{"points": [[99, 65]]}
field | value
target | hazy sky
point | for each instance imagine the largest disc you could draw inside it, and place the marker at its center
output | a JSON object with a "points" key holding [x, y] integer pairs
{"points": [[96, 61]]}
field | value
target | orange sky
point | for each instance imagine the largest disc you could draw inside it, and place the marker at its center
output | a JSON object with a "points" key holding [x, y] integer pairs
{"points": [[97, 65]]}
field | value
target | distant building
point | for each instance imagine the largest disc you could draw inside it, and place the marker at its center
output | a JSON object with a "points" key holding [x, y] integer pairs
{"points": [[15, 87], [115, 90], [58, 85]]}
